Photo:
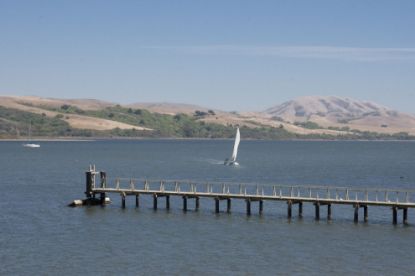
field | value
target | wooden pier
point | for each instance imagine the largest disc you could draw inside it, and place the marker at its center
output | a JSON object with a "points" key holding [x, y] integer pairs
{"points": [[319, 196]]}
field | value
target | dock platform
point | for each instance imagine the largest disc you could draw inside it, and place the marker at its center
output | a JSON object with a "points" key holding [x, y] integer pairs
{"points": [[319, 196]]}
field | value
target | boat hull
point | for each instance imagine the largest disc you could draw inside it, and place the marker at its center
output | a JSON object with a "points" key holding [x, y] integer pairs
{"points": [[31, 145], [231, 163]]}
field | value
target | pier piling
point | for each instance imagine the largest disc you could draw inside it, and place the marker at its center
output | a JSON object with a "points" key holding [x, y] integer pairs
{"points": [[197, 203], [365, 213], [167, 202], [248, 206], [228, 205], [328, 211], [289, 209], [155, 201], [216, 205], [261, 207], [137, 200], [300, 209], [405, 216], [356, 213], [395, 215], [123, 200], [317, 210], [184, 203]]}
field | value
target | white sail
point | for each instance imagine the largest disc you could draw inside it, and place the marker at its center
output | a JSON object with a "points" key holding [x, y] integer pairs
{"points": [[232, 161], [236, 145]]}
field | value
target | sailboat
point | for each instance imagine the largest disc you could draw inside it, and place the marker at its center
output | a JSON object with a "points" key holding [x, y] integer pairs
{"points": [[31, 145], [232, 161]]}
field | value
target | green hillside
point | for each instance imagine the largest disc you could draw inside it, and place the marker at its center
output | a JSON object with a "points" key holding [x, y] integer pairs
{"points": [[14, 124]]}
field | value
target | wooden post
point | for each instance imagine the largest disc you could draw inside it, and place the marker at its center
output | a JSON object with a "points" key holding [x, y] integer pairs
{"points": [[356, 213], [88, 190], [329, 211], [365, 213], [317, 207], [228, 205], [184, 203], [123, 200], [102, 199], [300, 209], [155, 201], [103, 176], [137, 200], [395, 215], [248, 206], [197, 203], [405, 216], [261, 206], [216, 205], [289, 209], [167, 202]]}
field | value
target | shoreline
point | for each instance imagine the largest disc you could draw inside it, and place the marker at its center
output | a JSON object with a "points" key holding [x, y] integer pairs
{"points": [[48, 140], [94, 139]]}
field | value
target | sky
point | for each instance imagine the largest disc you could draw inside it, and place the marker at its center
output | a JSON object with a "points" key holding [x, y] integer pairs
{"points": [[230, 55]]}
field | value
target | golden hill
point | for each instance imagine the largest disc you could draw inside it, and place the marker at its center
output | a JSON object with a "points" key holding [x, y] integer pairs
{"points": [[329, 115]]}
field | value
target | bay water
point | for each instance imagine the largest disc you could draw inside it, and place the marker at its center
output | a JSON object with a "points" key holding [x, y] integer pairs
{"points": [[40, 235]]}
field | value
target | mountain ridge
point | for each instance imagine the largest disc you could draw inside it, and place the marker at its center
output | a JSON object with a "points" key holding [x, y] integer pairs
{"points": [[334, 111], [310, 115]]}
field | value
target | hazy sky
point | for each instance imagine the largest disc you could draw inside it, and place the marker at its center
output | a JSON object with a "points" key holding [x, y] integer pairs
{"points": [[232, 55]]}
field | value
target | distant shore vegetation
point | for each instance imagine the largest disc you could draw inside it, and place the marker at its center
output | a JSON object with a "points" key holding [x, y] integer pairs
{"points": [[15, 123]]}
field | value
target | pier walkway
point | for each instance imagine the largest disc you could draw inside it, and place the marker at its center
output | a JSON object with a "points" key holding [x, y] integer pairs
{"points": [[292, 195]]}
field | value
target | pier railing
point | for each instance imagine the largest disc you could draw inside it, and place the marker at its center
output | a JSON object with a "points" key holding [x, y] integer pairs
{"points": [[396, 199], [323, 193]]}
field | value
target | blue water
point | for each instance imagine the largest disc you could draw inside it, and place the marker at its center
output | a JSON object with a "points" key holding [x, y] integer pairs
{"points": [[40, 235]]}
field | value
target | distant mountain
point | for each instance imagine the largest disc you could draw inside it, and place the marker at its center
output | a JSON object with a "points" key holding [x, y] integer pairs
{"points": [[304, 108], [337, 112]]}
